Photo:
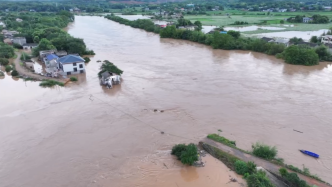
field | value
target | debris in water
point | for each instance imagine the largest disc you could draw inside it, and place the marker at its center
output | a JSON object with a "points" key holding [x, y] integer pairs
{"points": [[162, 111], [162, 132], [165, 165], [297, 131], [155, 110]]}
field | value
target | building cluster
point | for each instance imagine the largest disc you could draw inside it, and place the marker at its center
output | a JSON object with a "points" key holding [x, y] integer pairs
{"points": [[9, 38], [326, 40], [60, 63]]}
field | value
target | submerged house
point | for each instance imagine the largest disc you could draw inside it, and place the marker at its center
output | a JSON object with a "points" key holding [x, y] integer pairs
{"points": [[71, 64], [51, 61], [30, 46]]}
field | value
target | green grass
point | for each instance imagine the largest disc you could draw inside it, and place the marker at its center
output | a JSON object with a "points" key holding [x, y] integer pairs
{"points": [[73, 79], [222, 140], [50, 83]]}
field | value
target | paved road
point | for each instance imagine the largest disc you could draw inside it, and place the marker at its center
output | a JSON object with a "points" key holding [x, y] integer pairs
{"points": [[259, 162]]}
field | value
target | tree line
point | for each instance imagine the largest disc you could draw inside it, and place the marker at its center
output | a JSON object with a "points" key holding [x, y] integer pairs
{"points": [[295, 54]]}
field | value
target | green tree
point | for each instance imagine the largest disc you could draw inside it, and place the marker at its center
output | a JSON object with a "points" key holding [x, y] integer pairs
{"points": [[299, 55], [282, 21], [322, 52], [36, 39], [264, 151], [44, 44], [187, 154], [8, 68], [198, 25], [110, 67], [235, 34], [6, 51], [4, 61], [314, 39], [14, 73]]}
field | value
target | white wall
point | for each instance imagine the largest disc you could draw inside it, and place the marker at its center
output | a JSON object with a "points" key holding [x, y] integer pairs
{"points": [[70, 67]]}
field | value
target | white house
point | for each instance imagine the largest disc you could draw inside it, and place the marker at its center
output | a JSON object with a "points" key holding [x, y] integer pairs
{"points": [[327, 39], [29, 46], [71, 64]]}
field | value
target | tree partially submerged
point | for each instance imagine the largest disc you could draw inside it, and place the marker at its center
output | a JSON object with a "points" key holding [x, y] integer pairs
{"points": [[109, 67], [187, 154]]}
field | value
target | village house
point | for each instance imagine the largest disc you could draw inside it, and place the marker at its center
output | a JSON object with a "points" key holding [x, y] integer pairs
{"points": [[307, 19], [43, 54], [327, 39], [7, 41], [19, 20], [29, 64], [51, 61], [71, 64], [19, 40], [327, 8], [277, 40], [29, 46], [2, 24]]}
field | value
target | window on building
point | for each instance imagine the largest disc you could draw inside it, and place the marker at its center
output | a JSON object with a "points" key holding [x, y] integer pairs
{"points": [[81, 71], [74, 64], [75, 69], [68, 73], [81, 65]]}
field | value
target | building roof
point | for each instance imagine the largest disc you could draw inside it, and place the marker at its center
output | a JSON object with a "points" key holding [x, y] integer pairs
{"points": [[70, 59], [51, 57], [267, 39], [281, 40], [307, 44], [30, 44]]}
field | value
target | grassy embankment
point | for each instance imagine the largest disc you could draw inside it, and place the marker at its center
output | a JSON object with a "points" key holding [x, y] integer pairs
{"points": [[261, 151]]}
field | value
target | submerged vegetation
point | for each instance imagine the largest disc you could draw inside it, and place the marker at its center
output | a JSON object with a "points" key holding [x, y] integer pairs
{"points": [[50, 83], [187, 154]]}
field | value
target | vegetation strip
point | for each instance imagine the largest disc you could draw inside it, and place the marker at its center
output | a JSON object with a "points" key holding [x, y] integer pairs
{"points": [[266, 152], [295, 54]]}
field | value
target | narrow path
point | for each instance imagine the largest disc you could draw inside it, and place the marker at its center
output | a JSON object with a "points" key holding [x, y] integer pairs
{"points": [[259, 162], [25, 72]]}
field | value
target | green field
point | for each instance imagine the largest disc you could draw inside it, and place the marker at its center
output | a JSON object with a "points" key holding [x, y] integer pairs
{"points": [[220, 18]]}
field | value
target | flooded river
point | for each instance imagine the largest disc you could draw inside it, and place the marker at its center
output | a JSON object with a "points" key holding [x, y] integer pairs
{"points": [[85, 135]]}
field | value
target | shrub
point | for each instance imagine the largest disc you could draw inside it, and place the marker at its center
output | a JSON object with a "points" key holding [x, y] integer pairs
{"points": [[25, 56], [1, 74], [50, 83], [187, 154], [264, 151], [87, 59], [299, 55], [221, 139], [177, 150], [251, 167], [8, 68], [14, 73], [259, 179], [73, 79], [4, 61], [241, 167]]}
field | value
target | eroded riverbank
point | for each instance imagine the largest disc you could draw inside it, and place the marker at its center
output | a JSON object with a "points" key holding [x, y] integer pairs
{"points": [[67, 136]]}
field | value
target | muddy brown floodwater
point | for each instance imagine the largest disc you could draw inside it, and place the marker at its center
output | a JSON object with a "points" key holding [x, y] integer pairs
{"points": [[85, 135]]}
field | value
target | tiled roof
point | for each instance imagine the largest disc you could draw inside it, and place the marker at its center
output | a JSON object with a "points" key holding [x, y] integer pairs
{"points": [[70, 59]]}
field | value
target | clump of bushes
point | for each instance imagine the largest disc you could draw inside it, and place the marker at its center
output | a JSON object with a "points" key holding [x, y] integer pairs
{"points": [[264, 151], [25, 56], [187, 154], [292, 178], [8, 68], [73, 79], [50, 83], [1, 74], [4, 61], [243, 168], [258, 179], [222, 140], [14, 73], [87, 59]]}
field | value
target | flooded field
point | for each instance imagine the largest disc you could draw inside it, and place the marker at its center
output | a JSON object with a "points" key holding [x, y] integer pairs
{"points": [[305, 35], [86, 135], [252, 28]]}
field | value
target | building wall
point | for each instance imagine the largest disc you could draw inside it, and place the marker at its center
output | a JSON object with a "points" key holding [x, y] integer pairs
{"points": [[70, 67]]}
